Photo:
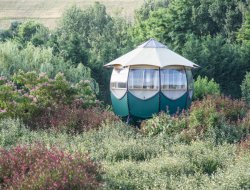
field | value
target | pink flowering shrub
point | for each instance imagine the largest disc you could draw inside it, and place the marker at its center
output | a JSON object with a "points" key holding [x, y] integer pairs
{"points": [[36, 167], [27, 95]]}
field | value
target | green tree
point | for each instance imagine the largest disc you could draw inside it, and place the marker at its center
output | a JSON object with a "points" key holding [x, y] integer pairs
{"points": [[34, 32], [245, 88], [174, 23], [223, 61], [11, 32], [93, 38], [244, 32]]}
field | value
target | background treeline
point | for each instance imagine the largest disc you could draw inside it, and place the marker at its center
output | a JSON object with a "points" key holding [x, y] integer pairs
{"points": [[213, 34]]}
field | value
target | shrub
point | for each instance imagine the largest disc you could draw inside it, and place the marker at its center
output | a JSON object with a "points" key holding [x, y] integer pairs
{"points": [[164, 124], [215, 117], [36, 167], [179, 167], [235, 176], [72, 118], [204, 87], [132, 149], [28, 94], [11, 131], [204, 157], [38, 59], [233, 110], [245, 88]]}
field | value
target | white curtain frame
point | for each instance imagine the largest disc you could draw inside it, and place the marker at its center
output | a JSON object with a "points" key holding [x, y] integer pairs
{"points": [[173, 82], [118, 82], [143, 82]]}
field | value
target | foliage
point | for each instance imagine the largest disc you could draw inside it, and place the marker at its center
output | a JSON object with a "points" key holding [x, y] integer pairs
{"points": [[72, 118], [9, 33], [245, 88], [36, 167], [11, 131], [134, 161], [28, 94], [244, 32], [220, 60], [34, 32], [94, 38], [164, 124], [204, 87], [216, 118], [172, 24], [40, 59]]}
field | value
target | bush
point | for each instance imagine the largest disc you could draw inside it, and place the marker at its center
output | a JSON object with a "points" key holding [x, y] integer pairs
{"points": [[204, 87], [38, 59], [36, 167], [245, 88], [236, 176], [28, 94], [179, 167], [164, 124], [11, 131], [216, 118], [72, 118]]}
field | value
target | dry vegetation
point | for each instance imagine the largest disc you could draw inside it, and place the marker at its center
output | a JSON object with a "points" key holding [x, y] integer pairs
{"points": [[48, 12]]}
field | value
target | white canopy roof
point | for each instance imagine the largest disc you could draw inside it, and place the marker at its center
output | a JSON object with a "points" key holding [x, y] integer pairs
{"points": [[151, 53]]}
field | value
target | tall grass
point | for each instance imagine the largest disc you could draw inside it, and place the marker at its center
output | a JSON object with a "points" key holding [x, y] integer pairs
{"points": [[131, 160]]}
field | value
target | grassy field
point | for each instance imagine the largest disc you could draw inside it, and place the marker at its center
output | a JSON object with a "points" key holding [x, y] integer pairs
{"points": [[48, 12]]}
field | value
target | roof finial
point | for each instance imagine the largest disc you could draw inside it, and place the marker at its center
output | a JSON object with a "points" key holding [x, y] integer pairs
{"points": [[152, 43]]}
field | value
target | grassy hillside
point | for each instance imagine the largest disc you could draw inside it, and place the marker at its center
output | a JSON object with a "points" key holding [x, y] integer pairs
{"points": [[48, 12]]}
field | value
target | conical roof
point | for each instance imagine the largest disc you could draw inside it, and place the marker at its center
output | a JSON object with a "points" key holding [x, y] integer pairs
{"points": [[152, 53]]}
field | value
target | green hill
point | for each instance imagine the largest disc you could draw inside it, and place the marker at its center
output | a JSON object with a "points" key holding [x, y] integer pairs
{"points": [[48, 12]]}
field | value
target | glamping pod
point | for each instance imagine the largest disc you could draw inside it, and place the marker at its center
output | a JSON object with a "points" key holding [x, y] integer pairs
{"points": [[150, 79]]}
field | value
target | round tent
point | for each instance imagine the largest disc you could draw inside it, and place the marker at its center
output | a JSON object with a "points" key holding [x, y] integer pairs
{"points": [[150, 79]]}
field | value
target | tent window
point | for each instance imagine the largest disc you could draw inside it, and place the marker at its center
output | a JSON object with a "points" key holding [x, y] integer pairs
{"points": [[143, 83], [144, 79], [173, 82], [118, 82]]}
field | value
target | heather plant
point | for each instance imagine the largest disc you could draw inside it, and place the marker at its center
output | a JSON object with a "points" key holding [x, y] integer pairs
{"points": [[215, 117], [73, 118], [204, 87], [233, 110], [37, 167]]}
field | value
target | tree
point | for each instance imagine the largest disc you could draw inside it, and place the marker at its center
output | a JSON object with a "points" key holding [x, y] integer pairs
{"points": [[244, 32], [174, 23], [34, 32], [11, 32], [245, 88], [93, 38], [218, 59]]}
